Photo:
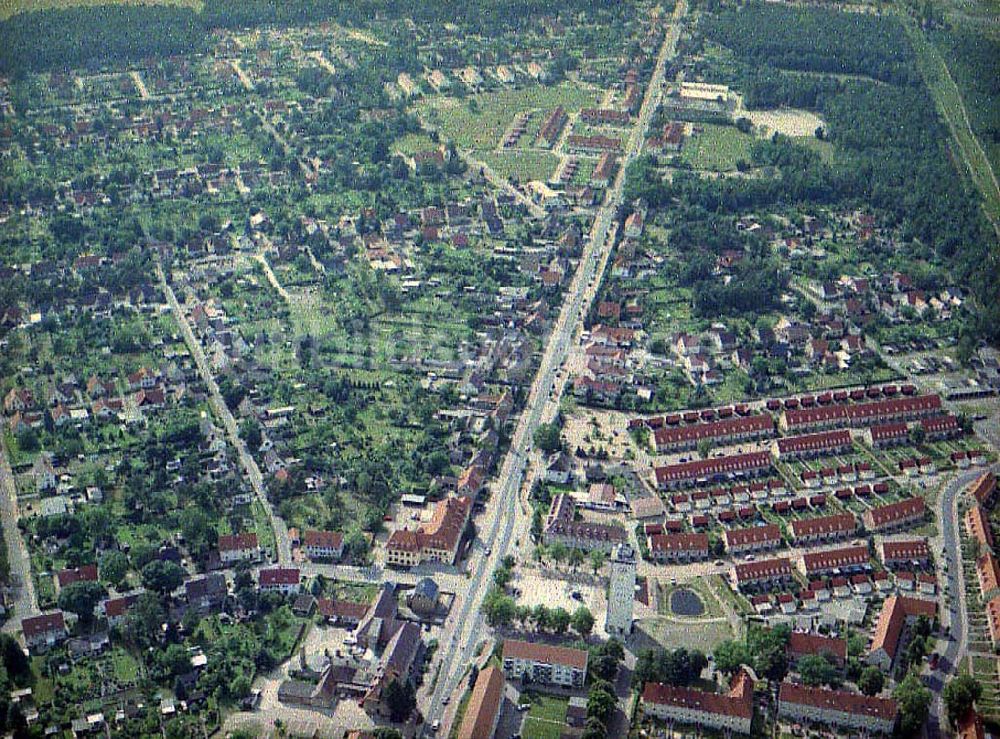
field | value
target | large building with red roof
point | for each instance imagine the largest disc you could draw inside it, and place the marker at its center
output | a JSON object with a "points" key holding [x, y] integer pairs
{"points": [[838, 708], [435, 541], [897, 612], [977, 521], [45, 630], [235, 548], [544, 663], [730, 712], [983, 488]]}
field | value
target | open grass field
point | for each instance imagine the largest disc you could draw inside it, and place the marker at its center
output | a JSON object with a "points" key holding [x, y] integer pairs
{"points": [[546, 717], [479, 121], [717, 148], [13, 7], [522, 166], [670, 634]]}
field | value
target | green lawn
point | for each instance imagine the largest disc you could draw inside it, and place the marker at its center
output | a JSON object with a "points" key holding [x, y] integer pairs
{"points": [[522, 166], [548, 708], [534, 729], [716, 148], [479, 121]]}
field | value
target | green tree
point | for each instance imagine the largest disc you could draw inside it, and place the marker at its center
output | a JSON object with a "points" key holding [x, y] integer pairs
{"points": [[914, 703], [583, 621], [597, 560], [548, 437], [162, 577], [401, 699], [559, 552], [730, 655], [559, 620], [114, 567], [576, 557], [81, 598], [871, 680], [959, 696], [14, 660], [817, 670], [601, 702]]}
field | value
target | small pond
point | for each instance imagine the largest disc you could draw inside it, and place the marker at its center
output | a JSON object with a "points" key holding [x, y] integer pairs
{"points": [[686, 602]]}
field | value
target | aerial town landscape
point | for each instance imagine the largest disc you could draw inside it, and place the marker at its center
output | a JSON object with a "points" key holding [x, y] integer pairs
{"points": [[499, 369]]}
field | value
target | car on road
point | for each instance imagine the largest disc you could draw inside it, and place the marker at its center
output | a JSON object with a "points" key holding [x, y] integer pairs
{"points": [[719, 563], [446, 700], [575, 595], [436, 725]]}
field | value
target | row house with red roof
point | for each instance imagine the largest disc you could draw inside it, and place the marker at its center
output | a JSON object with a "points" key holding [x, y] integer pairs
{"points": [[842, 560], [752, 539], [692, 473], [823, 528], [562, 526], [678, 547], [837, 708], [819, 444], [896, 515], [764, 574], [727, 431], [908, 552]]}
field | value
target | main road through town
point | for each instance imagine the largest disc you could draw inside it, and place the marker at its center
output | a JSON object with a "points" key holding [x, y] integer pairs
{"points": [[497, 531]]}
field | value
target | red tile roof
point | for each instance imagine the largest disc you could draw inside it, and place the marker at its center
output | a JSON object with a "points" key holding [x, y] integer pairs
{"points": [[738, 702], [837, 523], [822, 441], [544, 653], [895, 512], [820, 562], [484, 705], [237, 542], [883, 709], [759, 424], [714, 466], [43, 624], [764, 569], [752, 535], [279, 576]]}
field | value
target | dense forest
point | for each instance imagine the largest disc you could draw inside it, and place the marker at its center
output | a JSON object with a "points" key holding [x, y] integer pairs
{"points": [[974, 61], [815, 40], [93, 36]]}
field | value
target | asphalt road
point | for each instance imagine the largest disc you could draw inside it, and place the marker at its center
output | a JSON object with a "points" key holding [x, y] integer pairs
{"points": [[955, 610], [22, 587], [469, 624], [283, 548]]}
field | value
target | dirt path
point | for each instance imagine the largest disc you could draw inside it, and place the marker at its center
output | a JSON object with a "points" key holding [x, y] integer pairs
{"points": [[139, 84]]}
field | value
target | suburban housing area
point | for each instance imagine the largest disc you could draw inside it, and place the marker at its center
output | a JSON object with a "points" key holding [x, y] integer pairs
{"points": [[579, 369]]}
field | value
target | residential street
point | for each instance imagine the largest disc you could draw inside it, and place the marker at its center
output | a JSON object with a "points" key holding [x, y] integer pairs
{"points": [[283, 547]]}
